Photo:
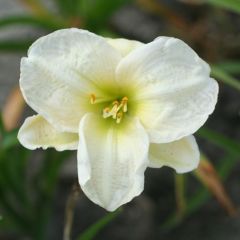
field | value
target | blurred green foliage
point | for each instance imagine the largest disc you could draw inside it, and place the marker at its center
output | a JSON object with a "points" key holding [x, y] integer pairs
{"points": [[96, 12], [233, 5], [26, 200], [221, 74], [90, 14], [226, 165], [93, 230]]}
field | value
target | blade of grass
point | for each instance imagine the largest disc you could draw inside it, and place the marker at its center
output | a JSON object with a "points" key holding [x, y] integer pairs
{"points": [[220, 140], [45, 23], [14, 46], [226, 78], [12, 214], [13, 160], [208, 176], [9, 140], [11, 211], [95, 13], [69, 8], [232, 67], [2, 129], [201, 196], [233, 5], [6, 225], [93, 230], [223, 170], [45, 188], [226, 166]]}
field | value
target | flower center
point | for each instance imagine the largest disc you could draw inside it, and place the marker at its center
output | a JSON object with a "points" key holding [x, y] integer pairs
{"points": [[115, 110]]}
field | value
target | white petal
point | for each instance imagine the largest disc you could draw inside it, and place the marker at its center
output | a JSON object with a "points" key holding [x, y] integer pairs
{"points": [[36, 132], [176, 115], [173, 90], [182, 155], [61, 72], [111, 160], [124, 46]]}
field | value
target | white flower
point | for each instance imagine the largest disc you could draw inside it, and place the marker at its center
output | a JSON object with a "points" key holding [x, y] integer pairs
{"points": [[122, 104]]}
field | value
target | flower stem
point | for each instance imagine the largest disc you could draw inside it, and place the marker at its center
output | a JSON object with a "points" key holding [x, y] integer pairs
{"points": [[180, 194], [69, 211]]}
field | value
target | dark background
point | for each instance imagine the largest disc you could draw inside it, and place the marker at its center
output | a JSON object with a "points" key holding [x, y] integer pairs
{"points": [[214, 33]]}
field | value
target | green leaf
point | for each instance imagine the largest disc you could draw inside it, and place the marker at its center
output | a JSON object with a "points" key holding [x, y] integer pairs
{"points": [[13, 46], [9, 139], [13, 197], [233, 5], [199, 198], [220, 140], [45, 23], [92, 231], [232, 67], [97, 12], [13, 164], [44, 185], [223, 76], [69, 8], [2, 130], [225, 167]]}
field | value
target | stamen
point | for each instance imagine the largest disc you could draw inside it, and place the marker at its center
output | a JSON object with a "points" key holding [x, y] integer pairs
{"points": [[124, 102], [120, 106], [125, 107], [115, 102], [92, 98], [106, 112], [116, 109], [119, 117]]}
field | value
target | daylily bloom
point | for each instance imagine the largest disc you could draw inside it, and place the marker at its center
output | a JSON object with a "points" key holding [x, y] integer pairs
{"points": [[122, 104]]}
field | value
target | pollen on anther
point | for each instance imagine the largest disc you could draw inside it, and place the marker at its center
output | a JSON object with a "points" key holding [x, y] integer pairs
{"points": [[124, 103], [106, 112], [116, 110], [92, 98], [125, 99], [115, 102], [119, 117]]}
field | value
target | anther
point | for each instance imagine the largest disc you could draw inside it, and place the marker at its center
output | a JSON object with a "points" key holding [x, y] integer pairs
{"points": [[119, 117], [92, 98], [124, 103], [114, 109], [115, 103], [106, 112]]}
